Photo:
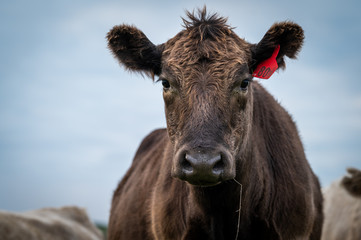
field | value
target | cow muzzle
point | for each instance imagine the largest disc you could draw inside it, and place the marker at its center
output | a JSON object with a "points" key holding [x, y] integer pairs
{"points": [[203, 167]]}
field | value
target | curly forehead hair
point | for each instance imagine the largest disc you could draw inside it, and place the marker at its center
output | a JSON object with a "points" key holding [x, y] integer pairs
{"points": [[202, 25], [205, 37]]}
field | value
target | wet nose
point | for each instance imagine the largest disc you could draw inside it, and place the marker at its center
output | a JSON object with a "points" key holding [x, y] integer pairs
{"points": [[204, 168]]}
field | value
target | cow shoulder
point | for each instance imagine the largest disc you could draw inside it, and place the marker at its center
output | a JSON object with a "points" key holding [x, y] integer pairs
{"points": [[150, 142], [144, 160], [130, 204]]}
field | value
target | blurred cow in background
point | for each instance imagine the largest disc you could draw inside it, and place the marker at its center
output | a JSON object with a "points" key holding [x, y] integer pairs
{"points": [[342, 208], [67, 223]]}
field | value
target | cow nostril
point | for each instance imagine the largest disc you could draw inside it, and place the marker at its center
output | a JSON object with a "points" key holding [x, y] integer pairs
{"points": [[203, 167], [219, 166], [186, 165]]}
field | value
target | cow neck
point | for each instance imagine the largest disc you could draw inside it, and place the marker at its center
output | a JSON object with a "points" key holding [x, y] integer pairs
{"points": [[210, 198], [217, 204]]}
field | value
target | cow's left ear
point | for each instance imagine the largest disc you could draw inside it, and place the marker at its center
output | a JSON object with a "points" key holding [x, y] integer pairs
{"points": [[134, 50], [288, 35]]}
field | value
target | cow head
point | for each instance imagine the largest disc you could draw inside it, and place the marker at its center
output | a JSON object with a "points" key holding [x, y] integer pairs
{"points": [[206, 73]]}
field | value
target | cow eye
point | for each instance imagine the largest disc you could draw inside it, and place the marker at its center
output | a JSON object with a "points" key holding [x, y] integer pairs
{"points": [[165, 84], [244, 84]]}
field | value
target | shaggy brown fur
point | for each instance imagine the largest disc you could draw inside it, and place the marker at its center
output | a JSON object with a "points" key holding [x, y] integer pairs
{"points": [[222, 129], [342, 208], [48, 223]]}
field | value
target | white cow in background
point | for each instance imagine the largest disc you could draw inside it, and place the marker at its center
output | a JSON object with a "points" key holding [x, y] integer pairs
{"points": [[342, 208], [67, 223]]}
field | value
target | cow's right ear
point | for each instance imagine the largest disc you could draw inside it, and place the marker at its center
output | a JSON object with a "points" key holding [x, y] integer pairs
{"points": [[134, 50], [287, 35]]}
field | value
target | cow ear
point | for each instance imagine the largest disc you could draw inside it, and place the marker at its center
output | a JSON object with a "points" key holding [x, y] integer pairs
{"points": [[134, 50], [288, 35], [353, 183]]}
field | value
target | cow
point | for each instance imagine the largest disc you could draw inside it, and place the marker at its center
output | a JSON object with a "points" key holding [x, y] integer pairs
{"points": [[230, 164], [65, 223], [342, 208]]}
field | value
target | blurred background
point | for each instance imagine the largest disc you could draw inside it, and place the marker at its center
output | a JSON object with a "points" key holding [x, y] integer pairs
{"points": [[71, 119]]}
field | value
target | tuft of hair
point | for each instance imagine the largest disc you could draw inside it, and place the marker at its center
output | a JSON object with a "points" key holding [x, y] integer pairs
{"points": [[203, 25], [353, 183]]}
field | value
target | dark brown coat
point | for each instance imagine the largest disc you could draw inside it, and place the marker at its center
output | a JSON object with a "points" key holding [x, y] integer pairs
{"points": [[226, 139]]}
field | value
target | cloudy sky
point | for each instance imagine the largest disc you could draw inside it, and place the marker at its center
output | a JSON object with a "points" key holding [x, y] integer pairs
{"points": [[71, 118]]}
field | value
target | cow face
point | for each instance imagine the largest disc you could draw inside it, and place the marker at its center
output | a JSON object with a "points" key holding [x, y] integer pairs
{"points": [[206, 73]]}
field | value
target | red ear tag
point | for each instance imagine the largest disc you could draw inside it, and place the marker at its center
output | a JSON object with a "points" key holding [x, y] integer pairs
{"points": [[267, 67]]}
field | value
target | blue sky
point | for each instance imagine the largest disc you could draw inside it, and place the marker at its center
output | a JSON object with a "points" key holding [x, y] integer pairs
{"points": [[71, 118]]}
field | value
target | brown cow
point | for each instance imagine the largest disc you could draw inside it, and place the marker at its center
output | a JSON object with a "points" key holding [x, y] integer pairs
{"points": [[226, 139], [342, 208]]}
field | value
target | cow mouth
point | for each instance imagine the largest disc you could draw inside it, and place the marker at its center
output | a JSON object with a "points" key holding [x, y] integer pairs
{"points": [[199, 180], [203, 183]]}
